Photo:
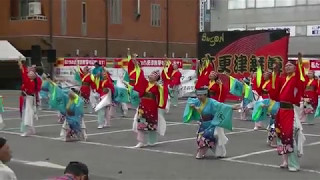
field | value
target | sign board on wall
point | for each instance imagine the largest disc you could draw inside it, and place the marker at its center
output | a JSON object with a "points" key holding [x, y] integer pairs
{"points": [[313, 30]]}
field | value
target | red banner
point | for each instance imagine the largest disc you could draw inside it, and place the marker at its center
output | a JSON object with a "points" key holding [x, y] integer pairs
{"points": [[315, 65], [117, 62], [239, 52]]}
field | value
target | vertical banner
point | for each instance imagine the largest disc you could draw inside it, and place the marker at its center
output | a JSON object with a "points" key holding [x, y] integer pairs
{"points": [[238, 52]]}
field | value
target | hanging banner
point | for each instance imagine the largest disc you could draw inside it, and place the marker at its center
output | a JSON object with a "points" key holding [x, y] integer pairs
{"points": [[238, 52], [65, 67]]}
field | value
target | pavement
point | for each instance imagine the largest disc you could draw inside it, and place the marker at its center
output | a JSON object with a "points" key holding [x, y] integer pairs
{"points": [[109, 152]]}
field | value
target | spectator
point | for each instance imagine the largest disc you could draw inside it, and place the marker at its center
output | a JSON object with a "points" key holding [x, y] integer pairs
{"points": [[75, 171], [5, 156]]}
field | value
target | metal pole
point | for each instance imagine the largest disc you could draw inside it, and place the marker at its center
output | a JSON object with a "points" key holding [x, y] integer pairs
{"points": [[50, 34], [107, 27], [167, 46], [51, 23]]}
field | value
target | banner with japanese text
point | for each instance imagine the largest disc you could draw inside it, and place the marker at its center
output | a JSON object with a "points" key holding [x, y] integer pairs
{"points": [[238, 52], [64, 69]]}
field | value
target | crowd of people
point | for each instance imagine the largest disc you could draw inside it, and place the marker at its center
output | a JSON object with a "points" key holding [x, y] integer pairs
{"points": [[281, 102]]}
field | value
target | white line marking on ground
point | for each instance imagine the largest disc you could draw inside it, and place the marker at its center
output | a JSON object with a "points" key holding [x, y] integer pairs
{"points": [[183, 102], [139, 149], [250, 154], [10, 110], [193, 138], [44, 115], [265, 151], [312, 135], [232, 159], [267, 165], [313, 144], [39, 163], [117, 131], [45, 164], [109, 132]]}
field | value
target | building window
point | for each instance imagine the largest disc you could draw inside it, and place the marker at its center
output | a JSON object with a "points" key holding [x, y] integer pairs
{"points": [[313, 1], [264, 3], [280, 3], [301, 30], [115, 11], [63, 17], [251, 3], [155, 15], [301, 2], [84, 19], [236, 4], [84, 12]]}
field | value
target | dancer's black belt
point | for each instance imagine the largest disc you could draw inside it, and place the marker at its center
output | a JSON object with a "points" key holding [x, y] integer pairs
{"points": [[264, 92], [132, 81], [310, 88], [105, 90], [286, 105], [26, 94], [212, 93], [85, 84], [206, 117], [149, 95]]}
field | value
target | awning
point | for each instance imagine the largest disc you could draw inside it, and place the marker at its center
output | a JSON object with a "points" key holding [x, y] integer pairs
{"points": [[9, 53]]}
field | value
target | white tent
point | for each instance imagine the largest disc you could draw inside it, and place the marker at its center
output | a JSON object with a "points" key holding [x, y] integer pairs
{"points": [[8, 52]]}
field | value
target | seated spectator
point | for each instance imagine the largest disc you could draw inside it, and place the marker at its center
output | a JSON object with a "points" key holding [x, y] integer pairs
{"points": [[5, 156], [75, 171]]}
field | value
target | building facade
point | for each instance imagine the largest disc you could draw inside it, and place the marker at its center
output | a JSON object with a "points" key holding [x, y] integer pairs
{"points": [[150, 28], [301, 17]]}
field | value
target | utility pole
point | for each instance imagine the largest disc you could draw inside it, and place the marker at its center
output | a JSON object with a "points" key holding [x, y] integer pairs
{"points": [[106, 27]]}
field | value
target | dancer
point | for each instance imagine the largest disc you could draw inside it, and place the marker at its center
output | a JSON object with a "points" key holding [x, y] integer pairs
{"points": [[288, 126], [209, 135], [175, 84], [2, 125], [105, 90], [29, 89], [257, 87], [97, 71], [216, 89], [166, 79], [124, 78], [73, 128], [148, 119], [246, 106], [44, 92], [269, 92], [310, 99]]}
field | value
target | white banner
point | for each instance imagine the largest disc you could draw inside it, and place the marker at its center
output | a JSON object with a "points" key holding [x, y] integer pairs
{"points": [[65, 76]]}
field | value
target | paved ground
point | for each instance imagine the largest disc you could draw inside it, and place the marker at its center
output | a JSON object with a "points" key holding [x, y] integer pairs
{"points": [[109, 153]]}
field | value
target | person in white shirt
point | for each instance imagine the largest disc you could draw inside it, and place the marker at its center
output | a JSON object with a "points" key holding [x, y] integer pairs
{"points": [[5, 156]]}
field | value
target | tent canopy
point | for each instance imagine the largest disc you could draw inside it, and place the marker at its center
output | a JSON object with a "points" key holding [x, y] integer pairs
{"points": [[9, 53]]}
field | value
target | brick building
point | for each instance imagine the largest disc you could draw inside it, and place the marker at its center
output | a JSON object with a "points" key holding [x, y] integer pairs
{"points": [[155, 27]]}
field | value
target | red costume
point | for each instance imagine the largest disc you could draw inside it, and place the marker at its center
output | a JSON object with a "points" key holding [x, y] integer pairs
{"points": [[204, 72], [28, 87], [255, 86], [216, 91], [86, 85], [166, 74], [311, 91], [291, 89], [104, 87], [175, 78]]}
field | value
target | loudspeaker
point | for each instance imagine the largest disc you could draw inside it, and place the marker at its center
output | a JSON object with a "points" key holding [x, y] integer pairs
{"points": [[36, 55], [52, 56]]}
